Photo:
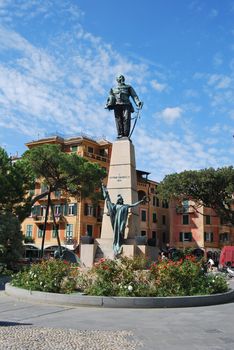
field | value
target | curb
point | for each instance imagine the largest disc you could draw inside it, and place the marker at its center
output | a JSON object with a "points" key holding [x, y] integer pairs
{"points": [[78, 300]]}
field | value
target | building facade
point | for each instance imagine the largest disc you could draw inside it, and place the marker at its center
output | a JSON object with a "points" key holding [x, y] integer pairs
{"points": [[75, 219], [192, 227]]}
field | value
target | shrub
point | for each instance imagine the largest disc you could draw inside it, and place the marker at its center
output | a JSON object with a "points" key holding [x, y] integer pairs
{"points": [[51, 275], [123, 277], [130, 277]]}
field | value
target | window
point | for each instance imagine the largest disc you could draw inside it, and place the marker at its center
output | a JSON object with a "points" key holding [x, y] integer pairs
{"points": [[73, 148], [55, 231], [88, 209], [57, 193], [208, 236], [224, 237], [208, 219], [154, 217], [143, 233], [40, 231], [89, 230], [102, 152], [165, 204], [157, 202], [154, 235], [69, 231], [223, 221], [143, 215], [185, 205], [141, 195], [154, 201], [42, 210], [90, 149], [185, 219], [164, 220], [72, 209], [29, 229], [57, 209], [152, 190], [164, 237], [44, 188], [185, 236], [36, 209]]}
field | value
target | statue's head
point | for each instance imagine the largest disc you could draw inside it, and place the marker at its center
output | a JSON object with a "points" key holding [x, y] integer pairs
{"points": [[120, 79], [119, 199]]}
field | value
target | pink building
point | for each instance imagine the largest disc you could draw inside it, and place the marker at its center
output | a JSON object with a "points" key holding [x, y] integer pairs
{"points": [[192, 227]]}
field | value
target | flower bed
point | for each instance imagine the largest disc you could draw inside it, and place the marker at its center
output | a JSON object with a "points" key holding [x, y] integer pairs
{"points": [[56, 276], [123, 277]]}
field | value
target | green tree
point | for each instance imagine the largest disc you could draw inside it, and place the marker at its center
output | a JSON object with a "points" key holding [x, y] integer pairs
{"points": [[15, 204], [210, 187], [16, 179], [69, 173], [10, 239]]}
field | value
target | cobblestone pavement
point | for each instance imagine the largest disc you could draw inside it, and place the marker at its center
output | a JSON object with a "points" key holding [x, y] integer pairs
{"points": [[32, 326], [38, 338]]}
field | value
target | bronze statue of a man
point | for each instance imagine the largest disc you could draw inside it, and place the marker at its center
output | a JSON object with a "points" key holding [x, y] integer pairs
{"points": [[118, 100], [118, 216]]}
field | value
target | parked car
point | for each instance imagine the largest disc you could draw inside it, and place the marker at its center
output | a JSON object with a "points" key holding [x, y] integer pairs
{"points": [[226, 258]]}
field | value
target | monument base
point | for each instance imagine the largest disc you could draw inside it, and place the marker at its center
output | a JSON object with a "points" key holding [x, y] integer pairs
{"points": [[103, 249]]}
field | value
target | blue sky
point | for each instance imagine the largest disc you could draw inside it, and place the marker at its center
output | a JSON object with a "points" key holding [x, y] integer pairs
{"points": [[58, 60]]}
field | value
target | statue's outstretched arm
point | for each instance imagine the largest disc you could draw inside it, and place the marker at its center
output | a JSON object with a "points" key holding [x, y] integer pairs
{"points": [[105, 193], [143, 200]]}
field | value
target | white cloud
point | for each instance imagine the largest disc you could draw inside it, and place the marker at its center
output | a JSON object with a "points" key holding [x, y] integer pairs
{"points": [[219, 81], [158, 86], [171, 114]]}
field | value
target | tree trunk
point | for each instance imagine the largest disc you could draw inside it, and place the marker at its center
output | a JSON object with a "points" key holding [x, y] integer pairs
{"points": [[56, 230], [45, 223]]}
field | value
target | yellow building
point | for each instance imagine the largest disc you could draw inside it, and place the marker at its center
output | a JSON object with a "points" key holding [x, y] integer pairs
{"points": [[76, 219]]}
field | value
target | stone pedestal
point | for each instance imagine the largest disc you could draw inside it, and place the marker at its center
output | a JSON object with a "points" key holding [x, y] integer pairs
{"points": [[122, 180], [87, 254]]}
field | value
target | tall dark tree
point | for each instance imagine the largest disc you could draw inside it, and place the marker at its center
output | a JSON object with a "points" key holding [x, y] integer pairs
{"points": [[16, 180], [15, 204], [210, 187], [69, 173]]}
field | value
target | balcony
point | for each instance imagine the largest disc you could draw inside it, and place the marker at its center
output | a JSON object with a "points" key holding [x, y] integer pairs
{"points": [[41, 219], [96, 157]]}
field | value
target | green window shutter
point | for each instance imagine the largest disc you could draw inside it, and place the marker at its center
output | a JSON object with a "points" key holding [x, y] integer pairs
{"points": [[181, 236], [190, 236], [211, 237], [204, 236], [86, 209], [36, 210], [65, 209], [75, 208], [95, 211]]}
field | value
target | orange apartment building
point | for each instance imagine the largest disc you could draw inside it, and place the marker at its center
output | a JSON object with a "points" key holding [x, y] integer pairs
{"points": [[76, 219]]}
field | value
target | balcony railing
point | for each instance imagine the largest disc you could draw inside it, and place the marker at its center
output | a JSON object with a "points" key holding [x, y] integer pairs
{"points": [[40, 218], [96, 157]]}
